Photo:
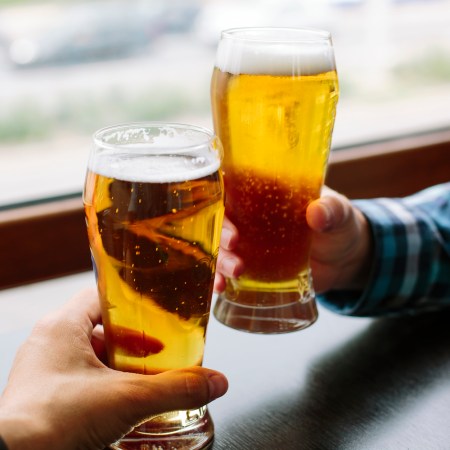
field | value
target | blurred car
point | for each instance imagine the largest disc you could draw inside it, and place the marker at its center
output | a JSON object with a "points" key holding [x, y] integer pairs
{"points": [[180, 15], [61, 33]]}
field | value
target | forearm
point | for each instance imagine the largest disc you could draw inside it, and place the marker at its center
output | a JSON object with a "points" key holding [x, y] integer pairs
{"points": [[410, 270]]}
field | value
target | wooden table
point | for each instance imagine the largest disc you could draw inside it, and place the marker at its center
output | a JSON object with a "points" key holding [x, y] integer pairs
{"points": [[344, 383]]}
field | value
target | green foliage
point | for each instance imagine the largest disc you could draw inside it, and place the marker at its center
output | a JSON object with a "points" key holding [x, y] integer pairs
{"points": [[24, 122], [431, 67], [85, 112]]}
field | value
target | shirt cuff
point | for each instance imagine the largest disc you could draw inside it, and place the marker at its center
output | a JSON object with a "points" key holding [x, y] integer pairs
{"points": [[401, 269]]}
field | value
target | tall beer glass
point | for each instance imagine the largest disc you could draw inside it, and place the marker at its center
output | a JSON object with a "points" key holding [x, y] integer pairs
{"points": [[274, 93], [154, 206]]}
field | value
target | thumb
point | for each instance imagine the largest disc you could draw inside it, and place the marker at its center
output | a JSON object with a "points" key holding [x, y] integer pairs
{"points": [[340, 250], [329, 213], [170, 391]]}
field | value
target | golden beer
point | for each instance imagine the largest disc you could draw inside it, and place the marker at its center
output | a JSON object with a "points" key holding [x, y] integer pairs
{"points": [[154, 217], [155, 247], [274, 104]]}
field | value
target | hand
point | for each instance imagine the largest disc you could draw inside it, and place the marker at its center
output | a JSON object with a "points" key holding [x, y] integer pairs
{"points": [[341, 248], [61, 396], [228, 263]]}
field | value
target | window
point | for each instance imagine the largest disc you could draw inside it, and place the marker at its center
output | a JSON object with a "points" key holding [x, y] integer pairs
{"points": [[69, 67]]}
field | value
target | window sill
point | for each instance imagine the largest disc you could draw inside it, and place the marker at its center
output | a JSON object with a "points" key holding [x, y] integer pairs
{"points": [[49, 240]]}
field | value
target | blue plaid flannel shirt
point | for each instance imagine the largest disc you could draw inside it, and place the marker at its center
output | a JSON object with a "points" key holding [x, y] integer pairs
{"points": [[411, 265]]}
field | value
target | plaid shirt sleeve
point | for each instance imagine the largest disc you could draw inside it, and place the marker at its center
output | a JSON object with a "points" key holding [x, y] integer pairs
{"points": [[411, 265]]}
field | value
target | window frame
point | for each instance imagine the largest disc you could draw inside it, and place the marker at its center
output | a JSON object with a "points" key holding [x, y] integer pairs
{"points": [[49, 239]]}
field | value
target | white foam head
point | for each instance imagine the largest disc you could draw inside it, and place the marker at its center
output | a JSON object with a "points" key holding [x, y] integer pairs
{"points": [[153, 168], [155, 153], [275, 52]]}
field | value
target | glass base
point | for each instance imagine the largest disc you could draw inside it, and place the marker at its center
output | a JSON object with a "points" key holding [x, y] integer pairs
{"points": [[180, 430], [267, 312]]}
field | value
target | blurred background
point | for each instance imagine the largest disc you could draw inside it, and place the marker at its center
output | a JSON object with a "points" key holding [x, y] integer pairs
{"points": [[70, 67]]}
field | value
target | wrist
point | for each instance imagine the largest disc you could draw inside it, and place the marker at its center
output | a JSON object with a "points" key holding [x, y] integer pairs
{"points": [[20, 432], [361, 261]]}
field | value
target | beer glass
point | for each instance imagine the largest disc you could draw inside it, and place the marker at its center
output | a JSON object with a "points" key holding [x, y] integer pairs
{"points": [[274, 93], [154, 206]]}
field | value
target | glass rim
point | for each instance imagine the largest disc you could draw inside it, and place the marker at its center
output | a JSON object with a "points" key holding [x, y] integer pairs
{"points": [[99, 135], [285, 35]]}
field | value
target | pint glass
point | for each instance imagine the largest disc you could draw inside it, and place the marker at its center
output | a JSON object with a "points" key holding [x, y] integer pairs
{"points": [[154, 206], [274, 93]]}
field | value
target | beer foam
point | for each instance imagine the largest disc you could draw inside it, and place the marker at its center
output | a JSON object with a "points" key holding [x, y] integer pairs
{"points": [[153, 168], [275, 58]]}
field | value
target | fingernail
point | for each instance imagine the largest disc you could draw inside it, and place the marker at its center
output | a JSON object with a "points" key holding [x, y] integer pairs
{"points": [[229, 267], [328, 217], [226, 238], [218, 385]]}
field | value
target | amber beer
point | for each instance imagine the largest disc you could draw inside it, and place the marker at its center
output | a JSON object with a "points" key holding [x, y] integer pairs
{"points": [[274, 99], [155, 245], [154, 220]]}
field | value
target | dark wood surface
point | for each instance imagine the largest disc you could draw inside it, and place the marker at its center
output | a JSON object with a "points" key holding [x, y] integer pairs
{"points": [[392, 168], [344, 383], [43, 241]]}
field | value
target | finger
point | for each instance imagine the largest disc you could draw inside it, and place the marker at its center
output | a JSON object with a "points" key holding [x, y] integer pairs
{"points": [[229, 264], [328, 191], [219, 282], [230, 236], [329, 213], [98, 344], [83, 309], [173, 390], [85, 303]]}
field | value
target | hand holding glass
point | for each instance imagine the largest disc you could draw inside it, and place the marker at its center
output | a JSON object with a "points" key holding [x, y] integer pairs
{"points": [[154, 207], [274, 93]]}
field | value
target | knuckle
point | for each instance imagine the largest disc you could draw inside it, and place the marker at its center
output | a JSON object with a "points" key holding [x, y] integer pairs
{"points": [[196, 387]]}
